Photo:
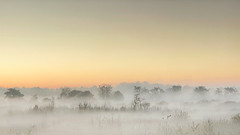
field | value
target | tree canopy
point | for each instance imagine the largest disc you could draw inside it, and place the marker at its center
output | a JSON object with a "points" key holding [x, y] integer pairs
{"points": [[201, 90], [68, 93], [13, 93]]}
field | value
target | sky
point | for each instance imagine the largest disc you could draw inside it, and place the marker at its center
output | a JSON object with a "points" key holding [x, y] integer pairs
{"points": [[83, 43]]}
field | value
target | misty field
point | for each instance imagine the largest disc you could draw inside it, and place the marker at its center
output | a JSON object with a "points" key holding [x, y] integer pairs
{"points": [[104, 111]]}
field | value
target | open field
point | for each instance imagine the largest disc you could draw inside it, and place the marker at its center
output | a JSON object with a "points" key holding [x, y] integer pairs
{"points": [[170, 114]]}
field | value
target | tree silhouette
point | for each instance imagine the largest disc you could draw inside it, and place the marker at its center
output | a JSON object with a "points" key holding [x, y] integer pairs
{"points": [[230, 90], [74, 93], [13, 93], [85, 94], [201, 90], [175, 88], [137, 101], [68, 93], [137, 89], [65, 92], [117, 95], [156, 91], [105, 91]]}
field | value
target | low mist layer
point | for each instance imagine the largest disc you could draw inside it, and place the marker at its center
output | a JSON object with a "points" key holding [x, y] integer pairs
{"points": [[124, 109]]}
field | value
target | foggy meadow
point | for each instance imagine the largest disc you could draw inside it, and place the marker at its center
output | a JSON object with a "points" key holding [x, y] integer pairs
{"points": [[125, 109]]}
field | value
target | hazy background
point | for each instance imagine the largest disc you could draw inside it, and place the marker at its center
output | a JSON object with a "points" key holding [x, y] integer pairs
{"points": [[83, 43]]}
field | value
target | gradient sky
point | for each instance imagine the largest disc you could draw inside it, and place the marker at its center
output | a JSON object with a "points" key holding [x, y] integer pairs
{"points": [[56, 43]]}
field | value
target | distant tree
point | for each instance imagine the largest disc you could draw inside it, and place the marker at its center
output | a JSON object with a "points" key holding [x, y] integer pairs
{"points": [[117, 95], [156, 91], [13, 93], [201, 90], [105, 91], [230, 90], [136, 102], [140, 90], [138, 99], [86, 94], [137, 89], [74, 93], [68, 93], [65, 92], [175, 88]]}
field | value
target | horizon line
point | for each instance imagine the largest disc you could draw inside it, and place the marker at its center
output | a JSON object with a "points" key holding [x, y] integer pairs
{"points": [[114, 85]]}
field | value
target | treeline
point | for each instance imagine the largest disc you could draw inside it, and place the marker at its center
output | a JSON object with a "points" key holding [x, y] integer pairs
{"points": [[139, 102], [177, 88], [106, 92]]}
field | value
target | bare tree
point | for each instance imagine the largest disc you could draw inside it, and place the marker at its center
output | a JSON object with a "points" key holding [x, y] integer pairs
{"points": [[137, 101]]}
